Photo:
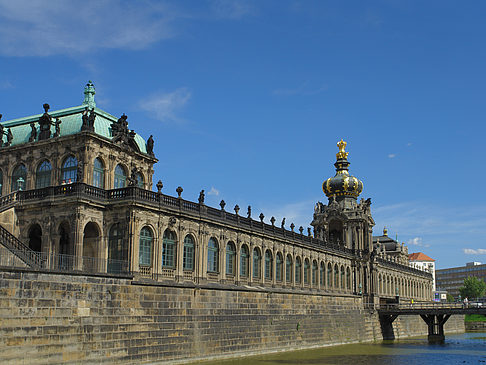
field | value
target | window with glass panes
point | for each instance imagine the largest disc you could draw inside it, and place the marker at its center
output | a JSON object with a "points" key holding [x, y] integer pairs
{"points": [[336, 276], [230, 258], [188, 258], [168, 249], [298, 267], [139, 178], [69, 170], [98, 173], [278, 267], [306, 271], [19, 177], [146, 244], [213, 255], [268, 265], [321, 274], [256, 263], [43, 175], [348, 278], [329, 275], [314, 273], [120, 177], [342, 277], [288, 269], [244, 261]]}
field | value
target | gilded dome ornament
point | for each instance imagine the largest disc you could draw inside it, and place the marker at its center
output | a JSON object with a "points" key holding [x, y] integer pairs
{"points": [[342, 184]]}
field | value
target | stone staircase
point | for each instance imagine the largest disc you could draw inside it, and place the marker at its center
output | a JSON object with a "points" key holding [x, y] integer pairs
{"points": [[19, 249]]}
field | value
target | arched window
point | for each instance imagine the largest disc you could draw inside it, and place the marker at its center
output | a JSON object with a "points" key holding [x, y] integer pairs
{"points": [[288, 269], [19, 177], [169, 249], [348, 278], [117, 249], [1, 182], [146, 244], [35, 238], [43, 175], [69, 170], [213, 255], [279, 267], [257, 260], [244, 261], [230, 258], [268, 265], [98, 173], [336, 276], [120, 177], [314, 273], [321, 274], [298, 267], [329, 275], [342, 277], [139, 178], [306, 271], [188, 254]]}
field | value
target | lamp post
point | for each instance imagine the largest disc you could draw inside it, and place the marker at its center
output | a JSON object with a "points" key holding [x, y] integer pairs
{"points": [[20, 183]]}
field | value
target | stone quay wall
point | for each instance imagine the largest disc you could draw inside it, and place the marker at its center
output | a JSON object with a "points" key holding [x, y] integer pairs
{"points": [[49, 318], [476, 326]]}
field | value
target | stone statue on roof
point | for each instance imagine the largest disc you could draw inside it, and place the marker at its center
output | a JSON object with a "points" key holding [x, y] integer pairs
{"points": [[150, 146], [9, 138], [121, 134], [33, 132], [45, 122], [57, 124]]}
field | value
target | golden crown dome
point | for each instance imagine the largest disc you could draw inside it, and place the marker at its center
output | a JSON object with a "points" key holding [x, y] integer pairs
{"points": [[342, 184]]}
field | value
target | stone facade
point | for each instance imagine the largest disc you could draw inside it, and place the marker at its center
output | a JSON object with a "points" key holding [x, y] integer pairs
{"points": [[51, 318]]}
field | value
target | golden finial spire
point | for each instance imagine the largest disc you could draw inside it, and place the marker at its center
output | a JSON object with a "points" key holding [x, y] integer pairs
{"points": [[342, 154], [385, 231]]}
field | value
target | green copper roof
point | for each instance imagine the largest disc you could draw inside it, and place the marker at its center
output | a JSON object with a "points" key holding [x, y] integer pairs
{"points": [[71, 122]]}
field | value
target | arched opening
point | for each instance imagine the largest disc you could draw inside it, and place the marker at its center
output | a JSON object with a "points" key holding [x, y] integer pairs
{"points": [[69, 170], [336, 232], [257, 260], [19, 178], [43, 175], [279, 267], [146, 246], [288, 269], [298, 268], [117, 250], [336, 276], [314, 273], [329, 275], [230, 258], [213, 255], [322, 273], [306, 271], [268, 265], [66, 261], [98, 173], [120, 180], [188, 254], [91, 240], [244, 261], [35, 238], [169, 249]]}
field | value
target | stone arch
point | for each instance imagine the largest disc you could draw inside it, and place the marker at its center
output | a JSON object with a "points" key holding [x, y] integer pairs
{"points": [[91, 247], [35, 237]]}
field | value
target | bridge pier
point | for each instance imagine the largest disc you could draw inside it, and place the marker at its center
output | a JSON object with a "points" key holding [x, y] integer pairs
{"points": [[435, 323], [386, 323]]}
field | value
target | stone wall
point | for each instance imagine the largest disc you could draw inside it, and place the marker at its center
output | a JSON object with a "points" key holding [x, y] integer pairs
{"points": [[476, 326], [48, 318]]}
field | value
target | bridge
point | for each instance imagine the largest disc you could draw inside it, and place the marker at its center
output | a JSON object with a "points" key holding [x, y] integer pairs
{"points": [[435, 315]]}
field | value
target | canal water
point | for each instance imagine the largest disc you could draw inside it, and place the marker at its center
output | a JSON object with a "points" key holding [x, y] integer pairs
{"points": [[465, 348]]}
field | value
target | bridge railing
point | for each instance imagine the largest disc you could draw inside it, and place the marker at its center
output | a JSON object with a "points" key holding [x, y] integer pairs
{"points": [[421, 305]]}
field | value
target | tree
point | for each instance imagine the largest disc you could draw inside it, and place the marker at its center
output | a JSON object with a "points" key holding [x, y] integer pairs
{"points": [[450, 298], [473, 287]]}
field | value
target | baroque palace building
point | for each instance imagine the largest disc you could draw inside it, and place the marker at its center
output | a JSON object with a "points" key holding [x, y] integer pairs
{"points": [[76, 195]]}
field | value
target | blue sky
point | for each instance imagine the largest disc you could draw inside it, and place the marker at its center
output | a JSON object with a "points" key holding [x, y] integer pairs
{"points": [[247, 99]]}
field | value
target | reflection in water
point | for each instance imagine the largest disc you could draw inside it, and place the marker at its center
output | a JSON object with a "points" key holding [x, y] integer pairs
{"points": [[466, 348]]}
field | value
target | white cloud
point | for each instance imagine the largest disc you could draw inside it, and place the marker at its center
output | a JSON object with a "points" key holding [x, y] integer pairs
{"points": [[391, 155], [409, 144], [417, 241], [470, 251], [163, 106], [231, 9], [6, 85], [213, 191], [44, 28]]}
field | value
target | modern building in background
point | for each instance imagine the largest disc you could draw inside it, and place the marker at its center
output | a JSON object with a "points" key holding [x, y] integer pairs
{"points": [[453, 278], [421, 261]]}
